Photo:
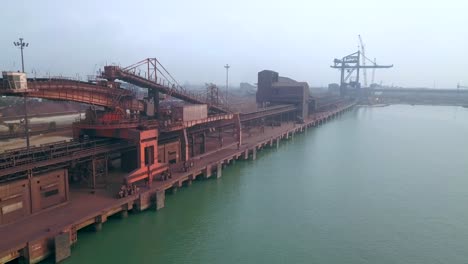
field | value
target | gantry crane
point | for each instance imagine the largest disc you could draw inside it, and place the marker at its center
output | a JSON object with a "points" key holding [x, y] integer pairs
{"points": [[350, 64]]}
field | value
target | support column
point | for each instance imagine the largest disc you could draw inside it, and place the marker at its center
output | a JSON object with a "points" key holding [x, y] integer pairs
{"points": [[277, 143], [156, 104], [203, 146], [100, 219], [62, 246], [193, 145], [124, 213], [219, 170], [154, 95], [246, 154], [160, 199], [25, 255], [254, 153], [144, 201], [207, 173], [184, 146], [97, 227]]}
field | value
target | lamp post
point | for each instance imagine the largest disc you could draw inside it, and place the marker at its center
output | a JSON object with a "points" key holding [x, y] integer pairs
{"points": [[21, 45], [227, 80]]}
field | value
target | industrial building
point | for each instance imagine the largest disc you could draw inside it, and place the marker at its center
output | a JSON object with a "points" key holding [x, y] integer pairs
{"points": [[274, 89]]}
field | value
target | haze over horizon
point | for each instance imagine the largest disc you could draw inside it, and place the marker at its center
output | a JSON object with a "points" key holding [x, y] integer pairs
{"points": [[425, 40]]}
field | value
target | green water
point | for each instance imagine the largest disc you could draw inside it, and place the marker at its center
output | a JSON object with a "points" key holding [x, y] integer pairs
{"points": [[377, 185]]}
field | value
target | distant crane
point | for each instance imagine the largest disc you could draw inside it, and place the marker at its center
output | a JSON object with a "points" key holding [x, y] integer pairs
{"points": [[363, 59], [461, 86], [352, 64], [373, 71]]}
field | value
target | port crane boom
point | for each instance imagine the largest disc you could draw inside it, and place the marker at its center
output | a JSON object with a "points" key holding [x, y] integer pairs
{"points": [[363, 58]]}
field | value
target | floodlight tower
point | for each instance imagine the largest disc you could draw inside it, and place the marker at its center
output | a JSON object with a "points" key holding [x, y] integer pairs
{"points": [[227, 80], [21, 45]]}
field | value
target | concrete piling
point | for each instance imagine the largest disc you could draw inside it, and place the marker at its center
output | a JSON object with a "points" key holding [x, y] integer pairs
{"points": [[97, 227], [219, 170], [160, 200], [207, 172], [123, 214], [62, 246]]}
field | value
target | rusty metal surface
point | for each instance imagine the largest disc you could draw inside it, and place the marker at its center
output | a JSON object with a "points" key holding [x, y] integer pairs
{"points": [[158, 78], [14, 163], [77, 91]]}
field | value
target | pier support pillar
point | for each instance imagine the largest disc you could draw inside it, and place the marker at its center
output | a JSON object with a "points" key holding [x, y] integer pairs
{"points": [[98, 222], [62, 246], [143, 202], [124, 213], [219, 170], [25, 255], [254, 153], [97, 227], [160, 200], [246, 154], [207, 173], [277, 143]]}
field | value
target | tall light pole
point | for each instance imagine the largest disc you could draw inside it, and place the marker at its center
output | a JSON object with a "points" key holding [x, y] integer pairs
{"points": [[227, 80], [21, 45]]}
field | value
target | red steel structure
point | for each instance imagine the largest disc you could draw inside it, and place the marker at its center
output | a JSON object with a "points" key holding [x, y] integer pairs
{"points": [[123, 117], [104, 94], [157, 78]]}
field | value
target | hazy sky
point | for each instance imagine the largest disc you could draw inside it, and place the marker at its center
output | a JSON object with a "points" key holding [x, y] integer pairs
{"points": [[427, 41]]}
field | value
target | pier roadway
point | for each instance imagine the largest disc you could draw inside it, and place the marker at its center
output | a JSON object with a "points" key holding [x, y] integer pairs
{"points": [[50, 233]]}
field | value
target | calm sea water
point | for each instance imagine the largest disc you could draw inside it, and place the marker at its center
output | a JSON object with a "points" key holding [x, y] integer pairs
{"points": [[377, 185]]}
